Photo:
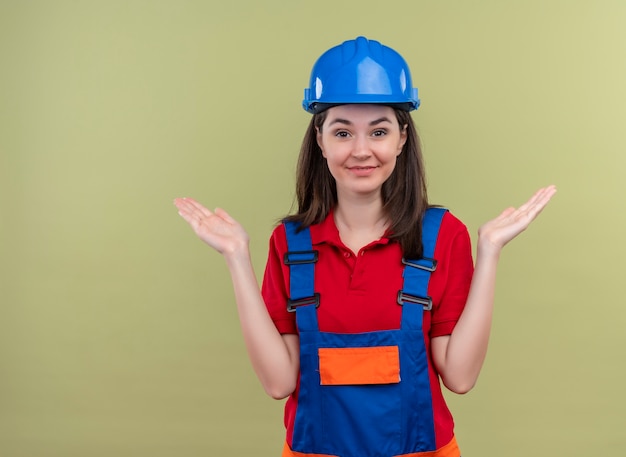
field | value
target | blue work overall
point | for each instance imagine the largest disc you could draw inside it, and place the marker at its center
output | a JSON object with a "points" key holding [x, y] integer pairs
{"points": [[363, 394]]}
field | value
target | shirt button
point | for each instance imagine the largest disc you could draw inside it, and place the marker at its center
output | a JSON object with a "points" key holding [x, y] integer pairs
{"points": [[346, 254]]}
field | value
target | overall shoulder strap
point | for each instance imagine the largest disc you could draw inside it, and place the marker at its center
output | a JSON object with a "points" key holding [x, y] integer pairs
{"points": [[430, 229], [416, 304], [417, 271], [301, 259]]}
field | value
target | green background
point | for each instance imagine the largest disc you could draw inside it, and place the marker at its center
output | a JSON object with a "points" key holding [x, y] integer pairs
{"points": [[118, 333]]}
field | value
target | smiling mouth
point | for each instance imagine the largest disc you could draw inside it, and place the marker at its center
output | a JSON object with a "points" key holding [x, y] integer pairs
{"points": [[362, 171]]}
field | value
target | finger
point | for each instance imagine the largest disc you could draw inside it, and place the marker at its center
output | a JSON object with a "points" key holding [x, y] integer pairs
{"points": [[198, 208], [185, 204], [192, 211], [542, 197], [224, 215], [537, 202], [541, 203], [544, 194], [180, 203], [530, 210], [189, 215], [537, 196]]}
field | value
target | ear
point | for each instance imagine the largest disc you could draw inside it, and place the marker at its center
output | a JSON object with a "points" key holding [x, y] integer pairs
{"points": [[403, 138], [318, 138]]}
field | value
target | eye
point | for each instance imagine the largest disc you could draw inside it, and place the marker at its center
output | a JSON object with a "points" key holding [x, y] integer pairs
{"points": [[342, 134], [379, 133]]}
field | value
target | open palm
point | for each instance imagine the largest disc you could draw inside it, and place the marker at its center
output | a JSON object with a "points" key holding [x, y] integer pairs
{"points": [[511, 222], [217, 228]]}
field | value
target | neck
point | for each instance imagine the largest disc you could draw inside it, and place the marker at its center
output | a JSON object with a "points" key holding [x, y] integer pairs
{"points": [[359, 217], [360, 222]]}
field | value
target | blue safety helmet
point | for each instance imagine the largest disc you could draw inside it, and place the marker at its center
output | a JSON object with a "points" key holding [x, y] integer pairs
{"points": [[360, 71]]}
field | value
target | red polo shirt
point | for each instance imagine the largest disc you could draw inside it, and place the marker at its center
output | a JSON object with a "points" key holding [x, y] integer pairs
{"points": [[358, 292]]}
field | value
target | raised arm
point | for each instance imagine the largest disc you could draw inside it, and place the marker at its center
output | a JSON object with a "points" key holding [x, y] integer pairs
{"points": [[274, 357], [459, 357]]}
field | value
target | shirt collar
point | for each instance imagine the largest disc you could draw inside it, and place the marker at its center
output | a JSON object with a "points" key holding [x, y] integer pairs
{"points": [[327, 232]]}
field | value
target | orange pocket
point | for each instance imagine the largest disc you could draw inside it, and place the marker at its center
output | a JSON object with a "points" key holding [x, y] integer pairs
{"points": [[354, 366]]}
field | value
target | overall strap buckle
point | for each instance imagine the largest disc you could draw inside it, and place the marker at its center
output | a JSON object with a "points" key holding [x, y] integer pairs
{"points": [[425, 267], [426, 302], [300, 257], [312, 300], [425, 263]]}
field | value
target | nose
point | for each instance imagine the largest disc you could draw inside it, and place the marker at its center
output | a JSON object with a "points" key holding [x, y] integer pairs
{"points": [[361, 149]]}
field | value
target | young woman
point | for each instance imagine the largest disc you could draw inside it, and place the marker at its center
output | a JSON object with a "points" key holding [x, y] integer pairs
{"points": [[370, 296]]}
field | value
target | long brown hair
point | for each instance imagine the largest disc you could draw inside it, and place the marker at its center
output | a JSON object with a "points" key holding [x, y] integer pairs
{"points": [[404, 193]]}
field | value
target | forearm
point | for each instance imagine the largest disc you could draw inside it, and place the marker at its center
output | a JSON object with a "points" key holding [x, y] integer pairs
{"points": [[274, 361], [467, 346], [460, 356], [275, 358]]}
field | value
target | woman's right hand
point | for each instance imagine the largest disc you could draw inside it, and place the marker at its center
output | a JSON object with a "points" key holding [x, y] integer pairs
{"points": [[217, 228]]}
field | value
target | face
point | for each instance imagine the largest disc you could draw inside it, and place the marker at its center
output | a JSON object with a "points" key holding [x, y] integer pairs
{"points": [[361, 144]]}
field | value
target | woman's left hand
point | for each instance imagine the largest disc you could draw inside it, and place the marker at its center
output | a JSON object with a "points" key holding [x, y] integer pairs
{"points": [[499, 231]]}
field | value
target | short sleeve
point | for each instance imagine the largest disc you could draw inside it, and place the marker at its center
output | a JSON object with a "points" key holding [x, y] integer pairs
{"points": [[453, 276], [275, 283]]}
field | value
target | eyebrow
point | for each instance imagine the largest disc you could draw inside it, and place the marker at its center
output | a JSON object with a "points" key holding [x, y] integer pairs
{"points": [[347, 122]]}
